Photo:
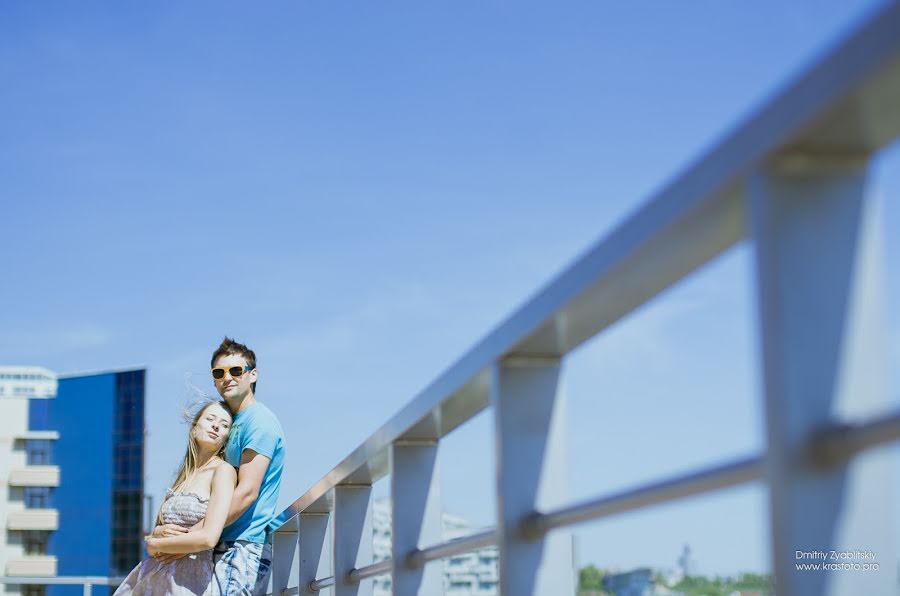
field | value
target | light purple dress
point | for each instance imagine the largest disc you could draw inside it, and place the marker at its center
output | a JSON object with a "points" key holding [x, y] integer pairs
{"points": [[192, 574]]}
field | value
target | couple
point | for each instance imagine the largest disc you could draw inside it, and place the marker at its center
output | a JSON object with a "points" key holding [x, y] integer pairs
{"points": [[211, 534]]}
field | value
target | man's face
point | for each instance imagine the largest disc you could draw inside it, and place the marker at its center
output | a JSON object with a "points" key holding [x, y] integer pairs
{"points": [[230, 387]]}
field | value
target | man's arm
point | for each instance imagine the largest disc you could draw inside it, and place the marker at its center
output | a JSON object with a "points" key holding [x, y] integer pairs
{"points": [[250, 477]]}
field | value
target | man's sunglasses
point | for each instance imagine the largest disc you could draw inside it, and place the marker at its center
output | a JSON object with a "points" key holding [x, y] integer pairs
{"points": [[234, 371]]}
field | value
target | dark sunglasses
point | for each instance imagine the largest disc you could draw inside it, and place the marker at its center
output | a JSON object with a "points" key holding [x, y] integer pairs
{"points": [[234, 371]]}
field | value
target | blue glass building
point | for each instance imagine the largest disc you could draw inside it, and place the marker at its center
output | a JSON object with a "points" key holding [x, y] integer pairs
{"points": [[100, 455]]}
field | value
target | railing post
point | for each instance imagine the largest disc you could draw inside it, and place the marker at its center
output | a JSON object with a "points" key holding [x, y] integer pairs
{"points": [[530, 426], [820, 294], [86, 589], [415, 516], [284, 551], [351, 538], [313, 547]]}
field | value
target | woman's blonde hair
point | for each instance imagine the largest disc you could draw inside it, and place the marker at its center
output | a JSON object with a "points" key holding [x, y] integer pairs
{"points": [[188, 467]]}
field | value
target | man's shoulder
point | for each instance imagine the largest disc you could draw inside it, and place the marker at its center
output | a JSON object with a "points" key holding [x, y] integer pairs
{"points": [[261, 415]]}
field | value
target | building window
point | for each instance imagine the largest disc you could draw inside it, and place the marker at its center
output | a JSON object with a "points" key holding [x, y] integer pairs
{"points": [[128, 447], [127, 535], [34, 590], [40, 414], [37, 497], [39, 452], [36, 542]]}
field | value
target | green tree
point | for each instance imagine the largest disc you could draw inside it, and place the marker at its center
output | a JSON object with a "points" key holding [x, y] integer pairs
{"points": [[697, 585], [754, 581], [590, 578]]}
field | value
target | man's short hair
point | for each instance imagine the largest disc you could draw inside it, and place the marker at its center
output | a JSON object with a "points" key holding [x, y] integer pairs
{"points": [[229, 347]]}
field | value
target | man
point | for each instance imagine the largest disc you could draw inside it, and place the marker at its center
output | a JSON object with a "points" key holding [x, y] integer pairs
{"points": [[256, 447]]}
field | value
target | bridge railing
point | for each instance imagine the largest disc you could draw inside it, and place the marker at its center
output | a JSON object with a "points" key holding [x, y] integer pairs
{"points": [[793, 181]]}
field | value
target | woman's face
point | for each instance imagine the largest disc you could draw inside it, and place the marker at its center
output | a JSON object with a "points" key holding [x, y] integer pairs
{"points": [[212, 427]]}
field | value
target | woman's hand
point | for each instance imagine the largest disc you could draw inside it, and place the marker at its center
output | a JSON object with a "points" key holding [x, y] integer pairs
{"points": [[152, 549], [168, 530]]}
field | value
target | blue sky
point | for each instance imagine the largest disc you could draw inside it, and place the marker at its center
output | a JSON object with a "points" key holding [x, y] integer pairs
{"points": [[360, 191]]}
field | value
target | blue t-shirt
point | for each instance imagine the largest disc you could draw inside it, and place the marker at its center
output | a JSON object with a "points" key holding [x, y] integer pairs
{"points": [[256, 428]]}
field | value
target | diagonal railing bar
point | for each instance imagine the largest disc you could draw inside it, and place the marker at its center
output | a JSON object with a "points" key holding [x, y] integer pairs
{"points": [[457, 546], [419, 558], [372, 570], [321, 584], [716, 478], [840, 442]]}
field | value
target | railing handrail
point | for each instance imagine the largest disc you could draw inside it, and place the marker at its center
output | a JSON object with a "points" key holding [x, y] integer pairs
{"points": [[689, 222]]}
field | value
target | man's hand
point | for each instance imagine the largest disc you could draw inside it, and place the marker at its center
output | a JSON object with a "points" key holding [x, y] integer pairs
{"points": [[168, 530]]}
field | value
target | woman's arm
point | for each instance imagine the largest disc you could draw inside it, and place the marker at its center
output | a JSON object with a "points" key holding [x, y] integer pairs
{"points": [[169, 530], [221, 491]]}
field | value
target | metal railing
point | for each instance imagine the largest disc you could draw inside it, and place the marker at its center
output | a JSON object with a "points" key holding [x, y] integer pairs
{"points": [[86, 581], [792, 181]]}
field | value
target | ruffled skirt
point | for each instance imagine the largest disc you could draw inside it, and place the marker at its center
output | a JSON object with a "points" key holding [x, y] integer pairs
{"points": [[190, 575]]}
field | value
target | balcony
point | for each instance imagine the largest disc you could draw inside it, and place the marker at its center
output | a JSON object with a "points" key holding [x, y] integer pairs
{"points": [[47, 435], [33, 519], [32, 566], [35, 476]]}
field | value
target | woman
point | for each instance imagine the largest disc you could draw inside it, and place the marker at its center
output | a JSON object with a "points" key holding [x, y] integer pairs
{"points": [[202, 492]]}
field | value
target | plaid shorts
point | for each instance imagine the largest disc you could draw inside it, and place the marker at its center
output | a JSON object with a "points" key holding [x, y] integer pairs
{"points": [[243, 568]]}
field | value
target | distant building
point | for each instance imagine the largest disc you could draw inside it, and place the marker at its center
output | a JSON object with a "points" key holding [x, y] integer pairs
{"points": [[27, 471], [471, 574], [686, 563], [638, 582], [71, 460]]}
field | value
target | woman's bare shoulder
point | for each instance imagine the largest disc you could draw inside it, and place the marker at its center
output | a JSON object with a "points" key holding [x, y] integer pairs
{"points": [[224, 468]]}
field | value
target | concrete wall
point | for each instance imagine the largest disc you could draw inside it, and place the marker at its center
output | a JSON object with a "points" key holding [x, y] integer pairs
{"points": [[14, 414]]}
